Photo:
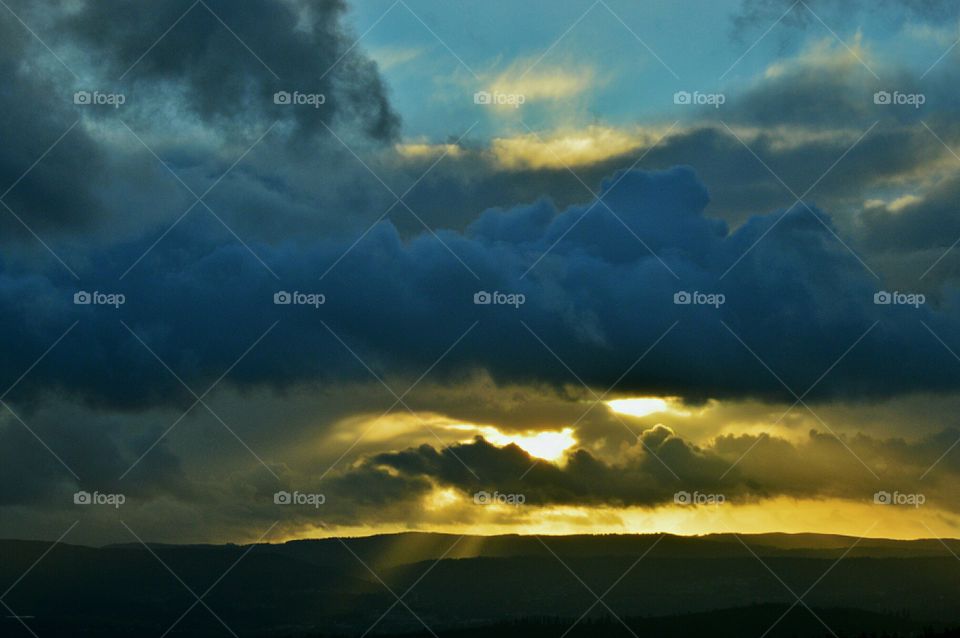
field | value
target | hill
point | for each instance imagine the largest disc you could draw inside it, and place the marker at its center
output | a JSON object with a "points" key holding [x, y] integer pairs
{"points": [[461, 584]]}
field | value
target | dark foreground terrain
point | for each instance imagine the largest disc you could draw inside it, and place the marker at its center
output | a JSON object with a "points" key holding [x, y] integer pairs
{"points": [[472, 587]]}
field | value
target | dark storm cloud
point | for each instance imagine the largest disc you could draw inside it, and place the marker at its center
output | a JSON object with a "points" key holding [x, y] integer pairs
{"points": [[199, 97], [743, 468], [929, 222], [49, 452], [597, 298], [62, 189], [226, 77], [745, 187]]}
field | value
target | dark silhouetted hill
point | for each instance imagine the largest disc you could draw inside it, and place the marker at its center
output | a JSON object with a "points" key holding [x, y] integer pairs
{"points": [[342, 587]]}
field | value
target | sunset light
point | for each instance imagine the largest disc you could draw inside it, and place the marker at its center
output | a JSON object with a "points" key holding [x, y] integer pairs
{"points": [[436, 319]]}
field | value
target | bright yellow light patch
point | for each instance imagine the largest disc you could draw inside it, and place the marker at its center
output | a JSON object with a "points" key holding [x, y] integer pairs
{"points": [[639, 407], [567, 148], [781, 514], [441, 499], [421, 150], [551, 84], [549, 446]]}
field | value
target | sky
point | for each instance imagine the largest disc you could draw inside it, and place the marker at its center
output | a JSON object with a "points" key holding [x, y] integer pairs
{"points": [[285, 269]]}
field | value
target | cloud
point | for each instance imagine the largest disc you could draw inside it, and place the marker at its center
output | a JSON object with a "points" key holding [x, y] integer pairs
{"points": [[801, 118], [539, 82], [504, 215], [62, 189], [912, 223], [760, 14], [224, 62], [50, 451], [559, 150], [199, 98], [599, 291], [388, 58], [744, 468], [421, 150], [399, 476]]}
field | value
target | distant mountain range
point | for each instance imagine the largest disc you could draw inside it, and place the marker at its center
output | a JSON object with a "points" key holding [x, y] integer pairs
{"points": [[474, 586]]}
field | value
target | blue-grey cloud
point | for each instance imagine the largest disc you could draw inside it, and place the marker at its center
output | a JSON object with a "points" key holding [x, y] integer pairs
{"points": [[599, 289], [225, 61], [197, 95]]}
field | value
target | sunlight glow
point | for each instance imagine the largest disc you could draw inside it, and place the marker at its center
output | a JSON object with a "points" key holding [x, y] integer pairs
{"points": [[549, 446], [440, 499], [639, 407], [568, 147], [781, 514]]}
